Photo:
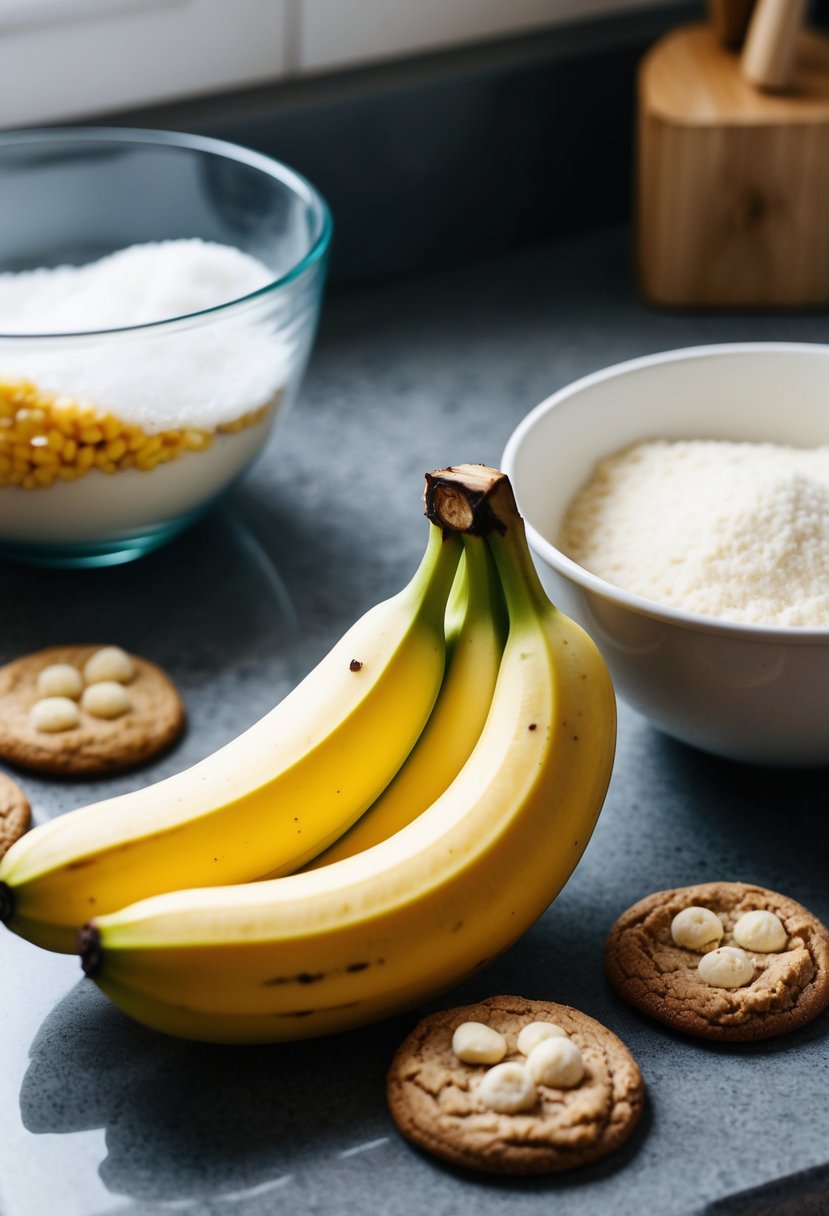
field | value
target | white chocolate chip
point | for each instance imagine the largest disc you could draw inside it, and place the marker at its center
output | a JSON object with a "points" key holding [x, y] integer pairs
{"points": [[477, 1043], [106, 700], [536, 1032], [60, 680], [109, 663], [727, 967], [760, 931], [508, 1088], [556, 1062], [53, 714], [697, 928]]}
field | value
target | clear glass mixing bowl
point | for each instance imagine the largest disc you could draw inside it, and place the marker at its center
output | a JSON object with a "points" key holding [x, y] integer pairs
{"points": [[73, 195]]}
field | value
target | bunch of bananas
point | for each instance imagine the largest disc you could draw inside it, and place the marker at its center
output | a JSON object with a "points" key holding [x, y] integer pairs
{"points": [[403, 816]]}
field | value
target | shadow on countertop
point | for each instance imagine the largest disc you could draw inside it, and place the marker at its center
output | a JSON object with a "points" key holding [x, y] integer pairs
{"points": [[774, 820], [207, 1130], [191, 1124]]}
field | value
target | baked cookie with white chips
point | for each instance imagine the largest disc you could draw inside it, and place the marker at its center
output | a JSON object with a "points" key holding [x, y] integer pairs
{"points": [[86, 710], [721, 960], [515, 1086]]}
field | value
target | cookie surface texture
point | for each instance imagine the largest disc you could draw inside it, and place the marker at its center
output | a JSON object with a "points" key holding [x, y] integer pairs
{"points": [[96, 745], [649, 970], [433, 1100], [15, 813]]}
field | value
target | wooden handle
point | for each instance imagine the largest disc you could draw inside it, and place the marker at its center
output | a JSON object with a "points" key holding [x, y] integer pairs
{"points": [[730, 19], [771, 43]]}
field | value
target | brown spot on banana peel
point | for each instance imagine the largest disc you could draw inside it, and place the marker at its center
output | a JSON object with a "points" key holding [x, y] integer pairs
{"points": [[91, 952], [312, 978], [307, 1013], [304, 977]]}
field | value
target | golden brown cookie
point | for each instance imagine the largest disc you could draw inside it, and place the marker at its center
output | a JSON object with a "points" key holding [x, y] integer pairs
{"points": [[786, 988], [96, 745], [15, 813], [434, 1097]]}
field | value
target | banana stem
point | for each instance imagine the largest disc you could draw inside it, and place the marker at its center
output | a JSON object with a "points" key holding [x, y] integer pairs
{"points": [[479, 501], [484, 580], [432, 581], [456, 605], [458, 498], [523, 590]]}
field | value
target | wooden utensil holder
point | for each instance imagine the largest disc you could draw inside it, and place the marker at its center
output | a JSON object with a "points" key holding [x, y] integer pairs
{"points": [[732, 183]]}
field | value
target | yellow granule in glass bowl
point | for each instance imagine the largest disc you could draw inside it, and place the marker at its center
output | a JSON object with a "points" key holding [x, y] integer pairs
{"points": [[46, 437]]}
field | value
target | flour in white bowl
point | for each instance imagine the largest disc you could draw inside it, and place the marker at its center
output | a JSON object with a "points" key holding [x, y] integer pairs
{"points": [[738, 531], [204, 375]]}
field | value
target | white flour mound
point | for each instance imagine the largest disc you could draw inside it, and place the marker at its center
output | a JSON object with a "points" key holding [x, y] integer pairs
{"points": [[199, 375], [738, 531]]}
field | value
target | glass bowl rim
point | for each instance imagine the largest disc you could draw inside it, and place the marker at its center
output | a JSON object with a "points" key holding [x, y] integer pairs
{"points": [[226, 149]]}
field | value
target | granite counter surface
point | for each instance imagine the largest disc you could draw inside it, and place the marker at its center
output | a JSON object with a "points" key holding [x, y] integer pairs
{"points": [[100, 1117]]}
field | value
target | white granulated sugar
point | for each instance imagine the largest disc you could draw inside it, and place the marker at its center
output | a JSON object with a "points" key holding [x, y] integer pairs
{"points": [[135, 286], [738, 531], [202, 375]]}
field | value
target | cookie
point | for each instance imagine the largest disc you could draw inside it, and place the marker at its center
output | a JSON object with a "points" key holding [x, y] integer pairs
{"points": [[98, 725], [777, 990], [435, 1098], [15, 813]]}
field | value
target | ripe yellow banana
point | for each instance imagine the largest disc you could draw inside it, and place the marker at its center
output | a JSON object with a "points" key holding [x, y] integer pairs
{"points": [[268, 801], [474, 643], [365, 937]]}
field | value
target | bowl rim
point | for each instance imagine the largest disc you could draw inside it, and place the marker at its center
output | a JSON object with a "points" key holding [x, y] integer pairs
{"points": [[747, 630], [225, 149]]}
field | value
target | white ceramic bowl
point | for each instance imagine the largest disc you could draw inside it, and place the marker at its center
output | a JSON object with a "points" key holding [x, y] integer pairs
{"points": [[748, 692]]}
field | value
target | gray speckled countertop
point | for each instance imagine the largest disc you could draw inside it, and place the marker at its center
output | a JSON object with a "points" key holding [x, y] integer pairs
{"points": [[99, 1116]]}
